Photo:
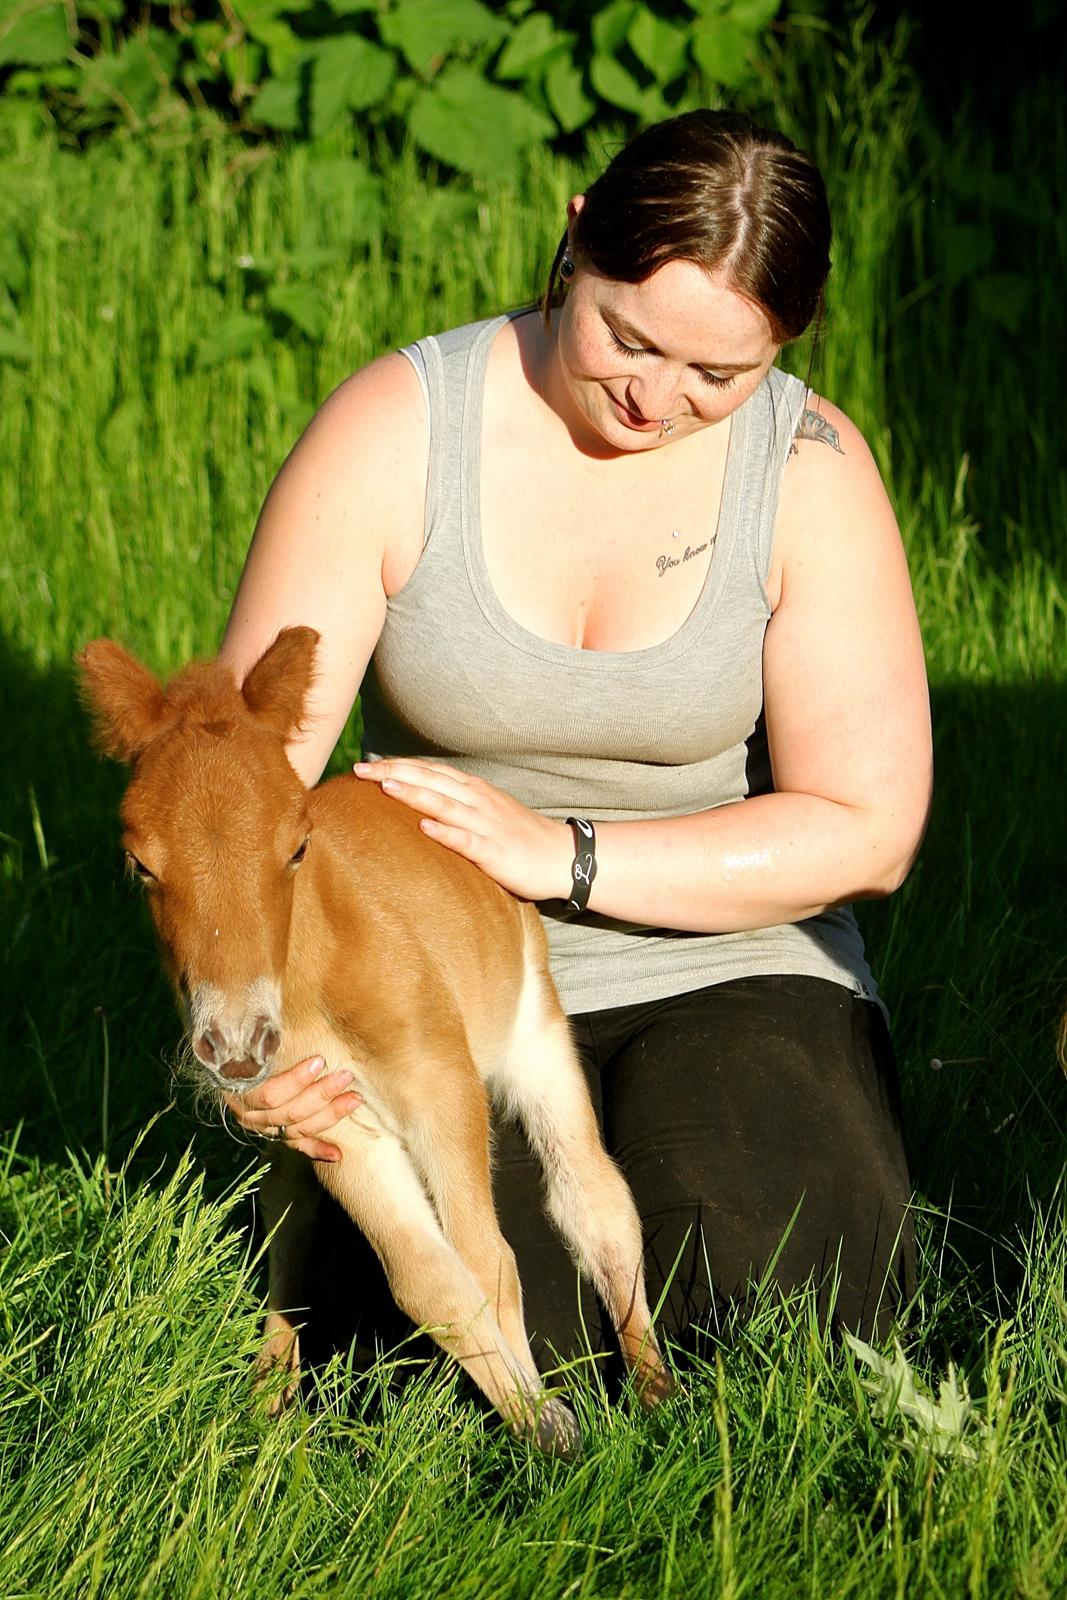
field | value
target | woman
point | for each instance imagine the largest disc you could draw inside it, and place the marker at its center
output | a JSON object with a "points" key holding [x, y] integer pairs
{"points": [[611, 564]]}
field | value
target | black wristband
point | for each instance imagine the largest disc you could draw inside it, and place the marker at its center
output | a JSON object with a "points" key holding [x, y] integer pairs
{"points": [[583, 867]]}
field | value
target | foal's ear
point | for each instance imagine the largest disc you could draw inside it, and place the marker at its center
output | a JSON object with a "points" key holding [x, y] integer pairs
{"points": [[276, 688], [124, 700]]}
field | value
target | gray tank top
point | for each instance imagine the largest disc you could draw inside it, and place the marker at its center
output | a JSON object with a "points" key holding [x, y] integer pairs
{"points": [[611, 735]]}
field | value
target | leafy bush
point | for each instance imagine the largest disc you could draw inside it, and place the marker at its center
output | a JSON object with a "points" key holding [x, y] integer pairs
{"points": [[475, 84]]}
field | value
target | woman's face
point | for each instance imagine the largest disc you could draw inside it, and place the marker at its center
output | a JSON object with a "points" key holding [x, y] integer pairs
{"points": [[681, 345]]}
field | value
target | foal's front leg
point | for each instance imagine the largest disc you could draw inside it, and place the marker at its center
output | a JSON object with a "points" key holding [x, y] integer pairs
{"points": [[383, 1193]]}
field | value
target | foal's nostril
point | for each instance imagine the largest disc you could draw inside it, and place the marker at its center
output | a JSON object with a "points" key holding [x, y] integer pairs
{"points": [[263, 1046], [210, 1047]]}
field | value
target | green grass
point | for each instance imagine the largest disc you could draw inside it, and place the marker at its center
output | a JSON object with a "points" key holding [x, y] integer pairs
{"points": [[130, 1459]]}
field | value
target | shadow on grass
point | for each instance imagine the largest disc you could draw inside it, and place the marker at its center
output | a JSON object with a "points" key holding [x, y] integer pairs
{"points": [[89, 1021], [968, 953]]}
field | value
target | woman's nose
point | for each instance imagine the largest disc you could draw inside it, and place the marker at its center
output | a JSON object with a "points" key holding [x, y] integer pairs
{"points": [[653, 397]]}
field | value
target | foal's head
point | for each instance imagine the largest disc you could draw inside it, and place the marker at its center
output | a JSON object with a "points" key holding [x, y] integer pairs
{"points": [[215, 824]]}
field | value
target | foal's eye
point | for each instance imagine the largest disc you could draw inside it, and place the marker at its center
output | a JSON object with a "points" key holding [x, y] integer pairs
{"points": [[298, 855], [137, 869]]}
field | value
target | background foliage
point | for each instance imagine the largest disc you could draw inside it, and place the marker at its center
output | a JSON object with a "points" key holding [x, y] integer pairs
{"points": [[474, 84]]}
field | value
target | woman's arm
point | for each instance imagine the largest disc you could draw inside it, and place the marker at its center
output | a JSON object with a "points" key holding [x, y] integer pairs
{"points": [[341, 528], [342, 518], [847, 723]]}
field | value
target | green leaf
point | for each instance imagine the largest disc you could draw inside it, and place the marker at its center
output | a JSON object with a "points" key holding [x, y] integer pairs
{"points": [[426, 30], [277, 105], [38, 38], [722, 51], [347, 72], [658, 45], [14, 270], [207, 39], [234, 336], [935, 1427], [614, 84], [474, 125], [243, 66], [136, 76], [965, 250], [533, 42], [611, 26], [1004, 297], [305, 307], [123, 431], [352, 196], [754, 14], [571, 106], [262, 23], [14, 346], [312, 258], [348, 8]]}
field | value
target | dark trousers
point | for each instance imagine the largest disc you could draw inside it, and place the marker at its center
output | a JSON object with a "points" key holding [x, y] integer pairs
{"points": [[756, 1122], [743, 1115]]}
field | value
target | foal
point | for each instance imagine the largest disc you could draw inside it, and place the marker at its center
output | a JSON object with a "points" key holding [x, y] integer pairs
{"points": [[295, 923]]}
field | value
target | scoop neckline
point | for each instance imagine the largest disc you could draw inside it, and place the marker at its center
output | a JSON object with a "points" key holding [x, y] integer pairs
{"points": [[490, 604]]}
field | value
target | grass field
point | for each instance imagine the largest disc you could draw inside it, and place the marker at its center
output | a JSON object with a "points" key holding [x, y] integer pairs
{"points": [[140, 425]]}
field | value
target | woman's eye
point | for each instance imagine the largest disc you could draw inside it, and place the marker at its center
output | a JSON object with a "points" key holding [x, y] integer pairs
{"points": [[713, 381], [625, 349]]}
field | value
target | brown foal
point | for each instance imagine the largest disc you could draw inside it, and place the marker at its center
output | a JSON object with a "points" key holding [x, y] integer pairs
{"points": [[295, 923]]}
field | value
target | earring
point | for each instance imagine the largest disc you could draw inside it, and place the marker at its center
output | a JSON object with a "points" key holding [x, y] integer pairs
{"points": [[667, 427], [566, 269]]}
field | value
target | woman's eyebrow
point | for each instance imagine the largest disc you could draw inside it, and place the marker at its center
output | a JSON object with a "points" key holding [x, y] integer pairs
{"points": [[625, 326]]}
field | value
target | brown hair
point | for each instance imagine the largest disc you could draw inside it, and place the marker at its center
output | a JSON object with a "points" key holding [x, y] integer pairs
{"points": [[713, 188]]}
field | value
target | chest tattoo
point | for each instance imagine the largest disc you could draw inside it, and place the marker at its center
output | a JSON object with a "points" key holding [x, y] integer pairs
{"points": [[665, 563]]}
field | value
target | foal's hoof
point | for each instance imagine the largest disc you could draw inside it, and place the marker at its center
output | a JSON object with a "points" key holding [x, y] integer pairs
{"points": [[556, 1432], [654, 1386], [280, 1354]]}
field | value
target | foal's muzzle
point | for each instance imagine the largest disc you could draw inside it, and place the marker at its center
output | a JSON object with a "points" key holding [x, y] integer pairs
{"points": [[235, 1042]]}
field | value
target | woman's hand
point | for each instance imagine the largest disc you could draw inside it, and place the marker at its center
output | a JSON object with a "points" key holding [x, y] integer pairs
{"points": [[526, 852], [296, 1106]]}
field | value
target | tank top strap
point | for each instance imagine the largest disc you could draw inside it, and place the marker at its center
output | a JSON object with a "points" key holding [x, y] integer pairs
{"points": [[774, 413]]}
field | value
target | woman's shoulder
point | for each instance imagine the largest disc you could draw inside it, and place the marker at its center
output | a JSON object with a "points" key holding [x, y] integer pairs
{"points": [[832, 502], [828, 451], [388, 390], [382, 395]]}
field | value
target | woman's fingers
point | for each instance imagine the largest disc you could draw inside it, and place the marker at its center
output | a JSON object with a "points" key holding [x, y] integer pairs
{"points": [[305, 1101], [425, 784]]}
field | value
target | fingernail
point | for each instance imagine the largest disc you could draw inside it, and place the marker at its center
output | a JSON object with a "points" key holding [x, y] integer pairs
{"points": [[316, 1067], [361, 766], [390, 785], [341, 1079]]}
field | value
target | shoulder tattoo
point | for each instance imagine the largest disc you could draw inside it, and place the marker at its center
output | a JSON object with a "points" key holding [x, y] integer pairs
{"points": [[814, 426]]}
